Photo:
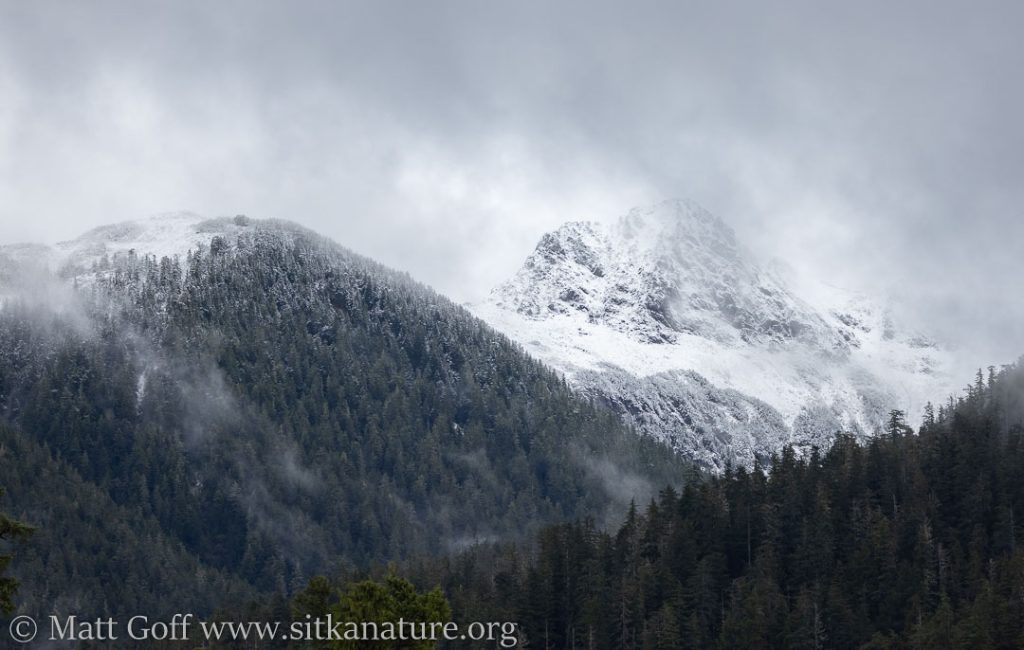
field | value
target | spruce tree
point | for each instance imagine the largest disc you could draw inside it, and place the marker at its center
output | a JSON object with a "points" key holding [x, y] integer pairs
{"points": [[11, 531]]}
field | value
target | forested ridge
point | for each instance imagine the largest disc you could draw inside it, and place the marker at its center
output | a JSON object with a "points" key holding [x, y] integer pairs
{"points": [[209, 434], [194, 432], [911, 540]]}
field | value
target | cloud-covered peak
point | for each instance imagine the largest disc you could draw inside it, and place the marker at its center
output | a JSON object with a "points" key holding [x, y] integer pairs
{"points": [[674, 218], [665, 316]]}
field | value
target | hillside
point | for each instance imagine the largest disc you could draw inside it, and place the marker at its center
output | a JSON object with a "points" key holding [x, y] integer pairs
{"points": [[910, 540], [264, 404]]}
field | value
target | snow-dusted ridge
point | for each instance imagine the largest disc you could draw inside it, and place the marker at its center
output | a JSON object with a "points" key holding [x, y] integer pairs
{"points": [[663, 315], [165, 235], [170, 235], [666, 317], [44, 275]]}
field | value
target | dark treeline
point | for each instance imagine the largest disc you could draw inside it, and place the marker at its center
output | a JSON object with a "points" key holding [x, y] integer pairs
{"points": [[912, 540], [191, 432]]}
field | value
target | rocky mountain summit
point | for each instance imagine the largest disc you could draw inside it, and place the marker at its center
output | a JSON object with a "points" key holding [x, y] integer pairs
{"points": [[667, 318]]}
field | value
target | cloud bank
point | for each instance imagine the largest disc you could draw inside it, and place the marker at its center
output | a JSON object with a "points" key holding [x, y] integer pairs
{"points": [[872, 145]]}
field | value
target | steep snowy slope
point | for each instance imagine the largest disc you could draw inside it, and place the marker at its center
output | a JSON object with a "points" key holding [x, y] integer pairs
{"points": [[667, 318]]}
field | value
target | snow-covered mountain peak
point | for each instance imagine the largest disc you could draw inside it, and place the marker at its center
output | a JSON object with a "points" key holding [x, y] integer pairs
{"points": [[666, 299], [658, 273]]}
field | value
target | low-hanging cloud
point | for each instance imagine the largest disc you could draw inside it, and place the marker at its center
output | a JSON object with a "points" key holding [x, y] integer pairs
{"points": [[871, 144]]}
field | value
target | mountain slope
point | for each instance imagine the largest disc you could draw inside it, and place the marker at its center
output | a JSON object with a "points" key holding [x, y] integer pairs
{"points": [[280, 406], [667, 318], [908, 541], [88, 550]]}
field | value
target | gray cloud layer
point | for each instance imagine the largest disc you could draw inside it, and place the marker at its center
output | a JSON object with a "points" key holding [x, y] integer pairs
{"points": [[872, 143]]}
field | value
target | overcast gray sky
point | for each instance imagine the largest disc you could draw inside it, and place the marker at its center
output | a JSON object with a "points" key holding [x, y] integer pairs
{"points": [[871, 143]]}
